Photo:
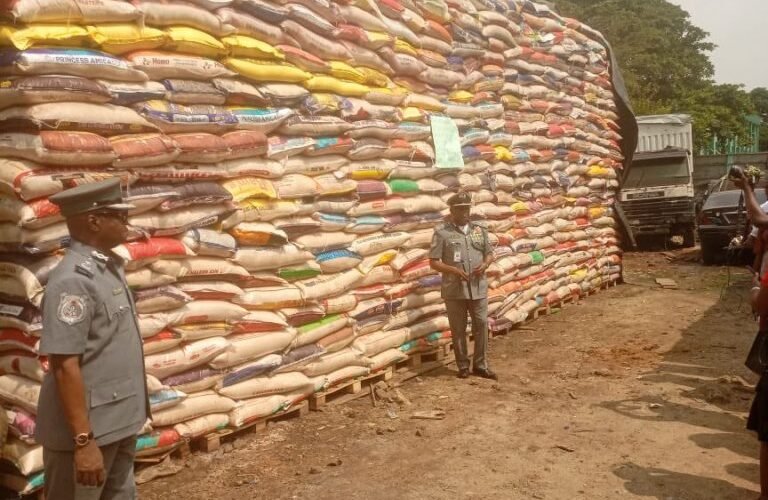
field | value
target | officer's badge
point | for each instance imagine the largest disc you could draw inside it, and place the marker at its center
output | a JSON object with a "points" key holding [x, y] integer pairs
{"points": [[71, 308], [477, 237]]}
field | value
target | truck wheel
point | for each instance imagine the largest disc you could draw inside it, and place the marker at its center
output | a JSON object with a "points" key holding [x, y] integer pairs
{"points": [[689, 237], [710, 253]]}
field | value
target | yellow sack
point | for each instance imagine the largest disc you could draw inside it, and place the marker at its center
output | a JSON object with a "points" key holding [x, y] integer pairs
{"points": [[260, 210], [461, 96], [344, 71], [412, 114], [380, 259], [600, 171], [267, 71], [597, 212], [243, 188], [503, 154], [333, 85], [377, 39], [374, 78], [519, 207], [326, 103], [251, 48], [579, 273], [123, 38], [405, 48], [44, 34], [192, 41]]}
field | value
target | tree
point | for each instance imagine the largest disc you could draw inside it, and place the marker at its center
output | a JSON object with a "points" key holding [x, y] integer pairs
{"points": [[660, 51], [760, 100], [722, 110], [665, 61]]}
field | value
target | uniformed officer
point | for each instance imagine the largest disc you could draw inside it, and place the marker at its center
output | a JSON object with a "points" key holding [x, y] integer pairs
{"points": [[93, 402], [462, 252]]}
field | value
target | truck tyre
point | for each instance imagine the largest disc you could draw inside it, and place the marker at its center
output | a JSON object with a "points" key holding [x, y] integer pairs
{"points": [[710, 253], [689, 237]]}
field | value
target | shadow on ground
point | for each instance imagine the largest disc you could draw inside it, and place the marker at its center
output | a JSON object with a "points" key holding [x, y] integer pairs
{"points": [[665, 484], [706, 366]]}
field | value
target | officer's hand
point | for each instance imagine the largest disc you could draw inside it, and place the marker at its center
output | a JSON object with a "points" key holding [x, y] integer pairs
{"points": [[89, 465], [463, 275], [479, 270]]}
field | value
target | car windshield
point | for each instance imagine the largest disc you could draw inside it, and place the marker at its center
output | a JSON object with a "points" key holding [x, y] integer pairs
{"points": [[658, 172]]}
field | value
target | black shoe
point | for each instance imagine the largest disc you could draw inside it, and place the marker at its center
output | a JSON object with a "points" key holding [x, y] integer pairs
{"points": [[485, 373], [463, 373]]}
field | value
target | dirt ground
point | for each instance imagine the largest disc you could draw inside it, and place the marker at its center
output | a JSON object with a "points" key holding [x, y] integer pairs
{"points": [[637, 392]]}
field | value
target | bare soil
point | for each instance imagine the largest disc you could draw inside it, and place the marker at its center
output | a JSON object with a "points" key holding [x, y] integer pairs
{"points": [[637, 392]]}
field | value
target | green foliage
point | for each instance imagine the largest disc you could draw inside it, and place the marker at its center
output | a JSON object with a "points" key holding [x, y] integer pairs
{"points": [[719, 111], [760, 99], [665, 61]]}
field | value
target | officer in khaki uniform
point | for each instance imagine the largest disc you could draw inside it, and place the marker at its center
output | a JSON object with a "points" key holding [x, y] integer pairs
{"points": [[462, 252], [93, 402]]}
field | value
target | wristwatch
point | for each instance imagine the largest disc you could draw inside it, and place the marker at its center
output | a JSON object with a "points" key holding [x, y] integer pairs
{"points": [[83, 439]]}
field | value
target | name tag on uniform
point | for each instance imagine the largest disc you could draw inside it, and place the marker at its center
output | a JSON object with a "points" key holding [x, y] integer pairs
{"points": [[456, 253]]}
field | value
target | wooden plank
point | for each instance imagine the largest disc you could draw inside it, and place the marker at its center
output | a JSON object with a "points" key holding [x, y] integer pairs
{"points": [[417, 359], [423, 363], [666, 283], [349, 390], [406, 374], [213, 441], [156, 459]]}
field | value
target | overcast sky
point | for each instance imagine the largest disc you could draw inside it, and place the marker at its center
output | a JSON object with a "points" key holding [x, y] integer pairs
{"points": [[739, 29]]}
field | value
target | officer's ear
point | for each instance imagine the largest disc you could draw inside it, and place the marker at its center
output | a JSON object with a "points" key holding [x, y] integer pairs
{"points": [[94, 222]]}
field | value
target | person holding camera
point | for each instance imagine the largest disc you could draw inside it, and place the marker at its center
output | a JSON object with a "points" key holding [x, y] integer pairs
{"points": [[757, 360], [758, 242]]}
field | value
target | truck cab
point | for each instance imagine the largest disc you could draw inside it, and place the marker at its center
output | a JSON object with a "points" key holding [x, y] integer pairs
{"points": [[658, 196]]}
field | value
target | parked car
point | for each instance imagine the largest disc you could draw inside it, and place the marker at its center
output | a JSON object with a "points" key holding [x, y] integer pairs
{"points": [[722, 217]]}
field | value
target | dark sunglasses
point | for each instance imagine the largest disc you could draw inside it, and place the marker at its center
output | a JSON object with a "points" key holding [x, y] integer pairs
{"points": [[117, 214]]}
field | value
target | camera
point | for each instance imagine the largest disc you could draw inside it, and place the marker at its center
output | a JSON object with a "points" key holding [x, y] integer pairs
{"points": [[751, 174]]}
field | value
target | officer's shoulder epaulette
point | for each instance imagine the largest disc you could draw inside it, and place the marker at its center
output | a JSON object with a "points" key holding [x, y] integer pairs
{"points": [[441, 226], [85, 267]]}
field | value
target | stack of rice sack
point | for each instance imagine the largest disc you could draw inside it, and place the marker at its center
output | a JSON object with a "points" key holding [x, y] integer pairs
{"points": [[280, 158]]}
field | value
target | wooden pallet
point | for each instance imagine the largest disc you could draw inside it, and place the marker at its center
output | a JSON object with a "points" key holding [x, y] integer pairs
{"points": [[212, 442], [180, 450], [553, 308], [424, 362], [418, 359], [349, 390], [603, 286]]}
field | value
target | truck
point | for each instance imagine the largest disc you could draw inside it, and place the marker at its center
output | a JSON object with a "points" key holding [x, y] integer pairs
{"points": [[657, 196]]}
